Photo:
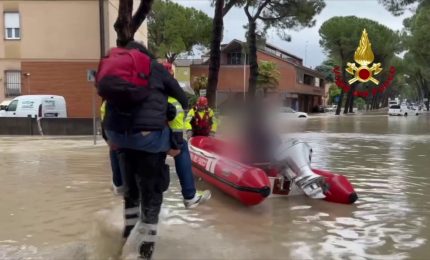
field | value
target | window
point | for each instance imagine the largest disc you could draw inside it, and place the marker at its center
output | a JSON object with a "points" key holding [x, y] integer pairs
{"points": [[234, 58], [308, 80], [12, 28], [12, 83], [12, 106]]}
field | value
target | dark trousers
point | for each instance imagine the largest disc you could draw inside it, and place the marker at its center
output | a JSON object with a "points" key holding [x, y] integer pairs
{"points": [[116, 170], [146, 177]]}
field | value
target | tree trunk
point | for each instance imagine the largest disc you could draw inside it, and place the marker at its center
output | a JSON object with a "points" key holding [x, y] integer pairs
{"points": [[426, 93], [368, 100], [351, 103], [348, 100], [342, 93], [215, 53], [123, 24], [253, 63], [126, 24], [385, 100], [372, 104], [379, 100], [428, 101]]}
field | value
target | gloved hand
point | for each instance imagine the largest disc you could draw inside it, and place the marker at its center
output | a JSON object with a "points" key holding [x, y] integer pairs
{"points": [[189, 134], [212, 134]]}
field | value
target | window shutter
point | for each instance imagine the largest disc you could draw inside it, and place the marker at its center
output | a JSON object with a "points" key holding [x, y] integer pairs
{"points": [[11, 20]]}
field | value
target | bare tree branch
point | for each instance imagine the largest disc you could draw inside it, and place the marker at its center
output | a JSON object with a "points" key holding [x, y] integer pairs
{"points": [[260, 9], [228, 6], [140, 15], [248, 14], [269, 19]]}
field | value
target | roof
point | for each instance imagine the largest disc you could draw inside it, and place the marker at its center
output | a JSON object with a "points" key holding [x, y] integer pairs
{"points": [[234, 43], [273, 51], [283, 51]]}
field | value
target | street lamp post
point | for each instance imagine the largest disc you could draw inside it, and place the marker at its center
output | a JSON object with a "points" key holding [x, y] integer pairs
{"points": [[306, 53], [27, 77]]}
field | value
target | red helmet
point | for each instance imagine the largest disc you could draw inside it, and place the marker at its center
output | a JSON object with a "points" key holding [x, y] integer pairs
{"points": [[202, 102], [168, 67]]}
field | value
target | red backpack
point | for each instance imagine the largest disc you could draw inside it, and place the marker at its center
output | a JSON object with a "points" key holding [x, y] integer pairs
{"points": [[123, 76]]}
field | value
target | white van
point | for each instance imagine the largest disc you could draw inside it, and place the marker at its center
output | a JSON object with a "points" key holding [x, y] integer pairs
{"points": [[36, 106]]}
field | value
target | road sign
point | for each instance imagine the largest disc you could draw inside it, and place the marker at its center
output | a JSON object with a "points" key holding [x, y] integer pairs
{"points": [[91, 75], [203, 92]]}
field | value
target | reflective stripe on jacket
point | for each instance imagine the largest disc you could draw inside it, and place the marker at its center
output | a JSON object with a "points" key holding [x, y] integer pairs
{"points": [[103, 111]]}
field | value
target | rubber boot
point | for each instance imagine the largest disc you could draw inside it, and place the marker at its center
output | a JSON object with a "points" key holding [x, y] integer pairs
{"points": [[297, 156], [146, 239], [131, 194]]}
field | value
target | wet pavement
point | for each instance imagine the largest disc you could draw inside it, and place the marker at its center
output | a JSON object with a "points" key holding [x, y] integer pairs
{"points": [[56, 201]]}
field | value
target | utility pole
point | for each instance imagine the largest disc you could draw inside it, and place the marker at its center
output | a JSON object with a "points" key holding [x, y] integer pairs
{"points": [[102, 54]]}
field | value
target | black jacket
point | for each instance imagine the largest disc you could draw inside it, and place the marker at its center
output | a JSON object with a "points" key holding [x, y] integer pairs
{"points": [[150, 114]]}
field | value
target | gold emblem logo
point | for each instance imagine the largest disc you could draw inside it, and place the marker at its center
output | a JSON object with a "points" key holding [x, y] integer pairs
{"points": [[364, 56]]}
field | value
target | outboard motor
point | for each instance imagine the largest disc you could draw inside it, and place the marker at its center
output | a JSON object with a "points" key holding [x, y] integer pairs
{"points": [[294, 159]]}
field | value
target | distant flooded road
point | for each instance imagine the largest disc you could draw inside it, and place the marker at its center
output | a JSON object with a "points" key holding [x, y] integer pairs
{"points": [[56, 201]]}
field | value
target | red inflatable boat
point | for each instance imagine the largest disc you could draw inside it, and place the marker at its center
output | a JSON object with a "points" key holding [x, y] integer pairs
{"points": [[217, 162]]}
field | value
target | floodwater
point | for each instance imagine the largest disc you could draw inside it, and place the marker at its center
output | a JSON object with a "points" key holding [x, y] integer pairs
{"points": [[56, 203]]}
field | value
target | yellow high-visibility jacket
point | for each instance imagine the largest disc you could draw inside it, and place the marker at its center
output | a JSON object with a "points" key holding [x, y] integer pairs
{"points": [[191, 114], [177, 124], [103, 111]]}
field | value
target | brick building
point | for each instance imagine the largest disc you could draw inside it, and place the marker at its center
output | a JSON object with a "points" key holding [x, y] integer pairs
{"points": [[48, 46], [302, 88], [182, 70]]}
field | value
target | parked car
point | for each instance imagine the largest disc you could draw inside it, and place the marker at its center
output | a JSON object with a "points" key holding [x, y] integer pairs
{"points": [[332, 108], [396, 110], [36, 106], [402, 110], [291, 113], [318, 109]]}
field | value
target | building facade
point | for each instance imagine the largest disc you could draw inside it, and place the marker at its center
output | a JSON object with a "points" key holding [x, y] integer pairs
{"points": [[301, 88], [183, 70], [48, 47]]}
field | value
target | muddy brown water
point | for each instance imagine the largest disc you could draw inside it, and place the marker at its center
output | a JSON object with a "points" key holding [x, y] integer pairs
{"points": [[55, 201]]}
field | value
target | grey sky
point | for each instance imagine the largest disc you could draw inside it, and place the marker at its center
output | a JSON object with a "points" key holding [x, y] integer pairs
{"points": [[309, 37]]}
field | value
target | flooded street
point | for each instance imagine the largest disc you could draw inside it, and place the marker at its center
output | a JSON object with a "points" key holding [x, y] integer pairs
{"points": [[56, 201]]}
